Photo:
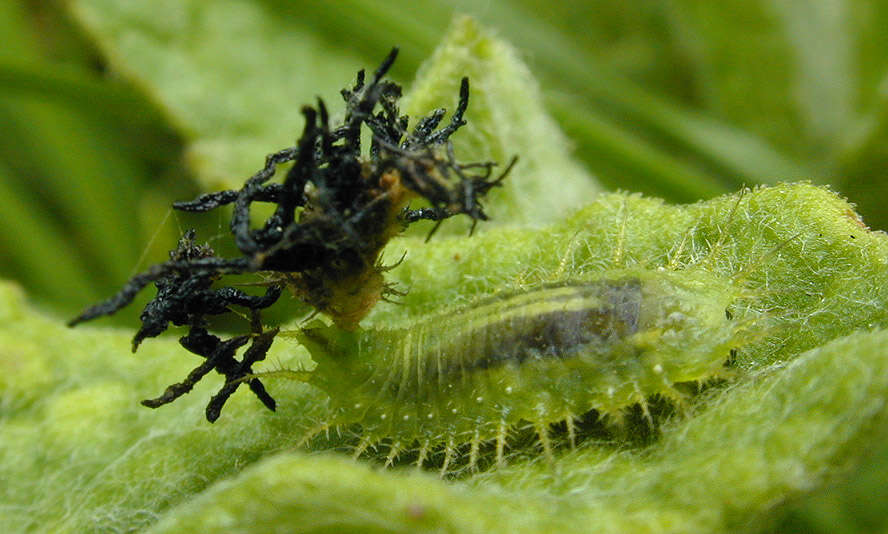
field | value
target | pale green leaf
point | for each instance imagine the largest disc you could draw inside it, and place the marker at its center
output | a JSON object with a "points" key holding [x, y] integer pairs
{"points": [[81, 455]]}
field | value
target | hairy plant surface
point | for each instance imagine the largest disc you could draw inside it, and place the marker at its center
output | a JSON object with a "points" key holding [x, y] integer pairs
{"points": [[81, 454]]}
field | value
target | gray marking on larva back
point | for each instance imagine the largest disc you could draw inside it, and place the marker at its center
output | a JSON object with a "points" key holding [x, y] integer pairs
{"points": [[553, 334]]}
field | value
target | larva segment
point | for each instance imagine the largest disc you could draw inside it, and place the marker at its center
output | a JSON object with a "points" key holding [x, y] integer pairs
{"points": [[543, 356]]}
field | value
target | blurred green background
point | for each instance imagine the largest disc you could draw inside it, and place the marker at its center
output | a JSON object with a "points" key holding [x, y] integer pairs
{"points": [[112, 109], [683, 99]]}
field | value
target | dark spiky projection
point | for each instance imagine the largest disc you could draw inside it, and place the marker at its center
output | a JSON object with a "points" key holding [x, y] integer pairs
{"points": [[334, 212]]}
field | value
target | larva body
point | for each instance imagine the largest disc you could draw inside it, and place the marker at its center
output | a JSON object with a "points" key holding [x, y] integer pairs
{"points": [[543, 356]]}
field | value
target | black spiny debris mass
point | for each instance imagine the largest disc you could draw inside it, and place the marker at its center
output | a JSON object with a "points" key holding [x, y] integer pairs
{"points": [[334, 212]]}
